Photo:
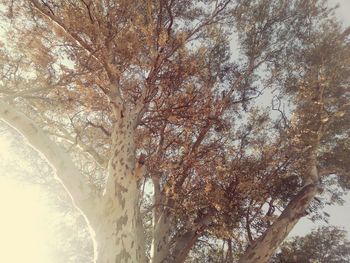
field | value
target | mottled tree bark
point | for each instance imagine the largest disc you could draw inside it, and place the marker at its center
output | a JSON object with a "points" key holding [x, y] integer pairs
{"points": [[263, 248], [121, 238], [160, 239], [115, 216]]}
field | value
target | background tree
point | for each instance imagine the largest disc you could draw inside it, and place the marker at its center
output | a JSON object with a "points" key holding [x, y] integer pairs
{"points": [[146, 94], [322, 245]]}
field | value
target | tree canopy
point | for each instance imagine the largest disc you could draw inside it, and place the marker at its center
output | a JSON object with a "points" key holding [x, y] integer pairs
{"points": [[322, 245], [150, 114]]}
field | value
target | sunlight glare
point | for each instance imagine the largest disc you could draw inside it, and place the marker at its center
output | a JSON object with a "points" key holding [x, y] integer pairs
{"points": [[22, 223]]}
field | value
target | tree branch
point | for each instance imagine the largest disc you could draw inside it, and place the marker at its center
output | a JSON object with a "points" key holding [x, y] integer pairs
{"points": [[50, 15], [67, 173], [264, 247], [114, 93]]}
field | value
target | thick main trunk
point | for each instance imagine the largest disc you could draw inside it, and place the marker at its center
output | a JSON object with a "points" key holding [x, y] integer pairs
{"points": [[120, 235], [117, 236]]}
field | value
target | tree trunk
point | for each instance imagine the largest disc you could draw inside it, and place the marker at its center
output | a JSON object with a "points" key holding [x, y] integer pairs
{"points": [[264, 248], [160, 239], [116, 237], [183, 246], [120, 237], [114, 217], [161, 226]]}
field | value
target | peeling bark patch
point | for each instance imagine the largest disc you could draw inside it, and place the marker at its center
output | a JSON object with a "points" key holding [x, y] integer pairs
{"points": [[132, 244], [118, 241], [119, 190], [130, 158], [121, 200], [121, 222], [122, 257]]}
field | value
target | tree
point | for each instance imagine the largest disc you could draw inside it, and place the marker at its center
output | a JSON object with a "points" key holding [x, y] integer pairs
{"points": [[146, 94], [323, 245]]}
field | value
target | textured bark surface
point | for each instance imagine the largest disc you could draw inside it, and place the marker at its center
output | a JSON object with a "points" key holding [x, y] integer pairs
{"points": [[263, 248], [121, 236], [152, 90], [160, 239], [161, 226], [115, 216], [183, 246]]}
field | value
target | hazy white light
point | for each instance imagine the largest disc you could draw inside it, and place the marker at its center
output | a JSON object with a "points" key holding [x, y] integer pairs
{"points": [[23, 233], [23, 217]]}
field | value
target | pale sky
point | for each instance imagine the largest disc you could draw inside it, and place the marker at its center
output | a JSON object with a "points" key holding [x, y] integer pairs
{"points": [[25, 213], [344, 10]]}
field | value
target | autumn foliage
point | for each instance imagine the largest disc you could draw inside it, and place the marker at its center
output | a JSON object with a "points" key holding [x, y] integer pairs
{"points": [[238, 105]]}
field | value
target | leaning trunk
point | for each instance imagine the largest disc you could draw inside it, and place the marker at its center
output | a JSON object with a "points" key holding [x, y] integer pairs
{"points": [[263, 249]]}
